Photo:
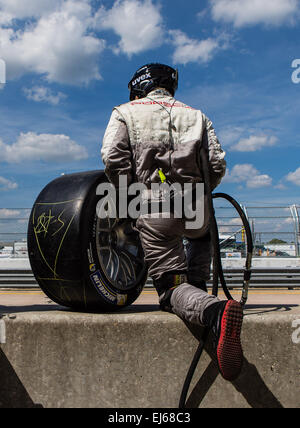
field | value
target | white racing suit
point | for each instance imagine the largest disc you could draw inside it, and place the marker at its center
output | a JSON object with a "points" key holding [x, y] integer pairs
{"points": [[160, 133]]}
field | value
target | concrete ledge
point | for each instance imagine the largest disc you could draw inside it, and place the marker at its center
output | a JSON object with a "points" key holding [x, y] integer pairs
{"points": [[139, 359]]}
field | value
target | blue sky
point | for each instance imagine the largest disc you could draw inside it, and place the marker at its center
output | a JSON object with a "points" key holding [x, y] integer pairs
{"points": [[69, 62]]}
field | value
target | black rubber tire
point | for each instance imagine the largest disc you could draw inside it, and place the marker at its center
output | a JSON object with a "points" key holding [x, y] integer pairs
{"points": [[72, 253]]}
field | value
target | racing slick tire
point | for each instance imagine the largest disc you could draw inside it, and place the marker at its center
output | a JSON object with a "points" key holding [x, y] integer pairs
{"points": [[80, 259]]}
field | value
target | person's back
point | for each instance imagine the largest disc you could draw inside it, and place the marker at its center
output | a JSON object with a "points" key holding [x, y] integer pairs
{"points": [[164, 134]]}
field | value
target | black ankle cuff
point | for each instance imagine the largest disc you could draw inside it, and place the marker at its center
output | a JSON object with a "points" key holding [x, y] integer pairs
{"points": [[169, 280], [165, 301], [213, 314]]}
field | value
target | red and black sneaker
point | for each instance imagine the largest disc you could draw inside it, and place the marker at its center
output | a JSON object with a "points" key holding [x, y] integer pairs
{"points": [[226, 319]]}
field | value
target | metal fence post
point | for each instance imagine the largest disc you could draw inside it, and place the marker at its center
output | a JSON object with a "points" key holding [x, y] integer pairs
{"points": [[295, 215]]}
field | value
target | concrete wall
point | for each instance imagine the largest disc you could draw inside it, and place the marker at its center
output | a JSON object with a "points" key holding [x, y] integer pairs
{"points": [[139, 359]]}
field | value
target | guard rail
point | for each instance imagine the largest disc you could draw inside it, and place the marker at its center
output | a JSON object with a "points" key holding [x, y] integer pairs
{"points": [[261, 278]]}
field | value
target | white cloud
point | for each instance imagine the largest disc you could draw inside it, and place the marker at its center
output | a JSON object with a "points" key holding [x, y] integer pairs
{"points": [[20, 9], [56, 39], [41, 94], [294, 177], [254, 143], [138, 23], [228, 227], [280, 186], [257, 181], [6, 213], [252, 12], [5, 185], [247, 173], [43, 147], [58, 44], [229, 134], [193, 50]]}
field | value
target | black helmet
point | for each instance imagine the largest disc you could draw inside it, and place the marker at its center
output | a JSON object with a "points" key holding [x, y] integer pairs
{"points": [[153, 76]]}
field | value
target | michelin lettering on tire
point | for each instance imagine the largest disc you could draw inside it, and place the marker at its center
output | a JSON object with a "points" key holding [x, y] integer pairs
{"points": [[106, 292]]}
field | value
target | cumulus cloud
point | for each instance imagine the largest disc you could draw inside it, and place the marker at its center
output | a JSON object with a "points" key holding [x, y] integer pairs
{"points": [[254, 143], [20, 9], [41, 94], [229, 134], [247, 173], [237, 138], [259, 180], [58, 44], [294, 177], [43, 147], [58, 39], [193, 50], [138, 24], [252, 12], [6, 184]]}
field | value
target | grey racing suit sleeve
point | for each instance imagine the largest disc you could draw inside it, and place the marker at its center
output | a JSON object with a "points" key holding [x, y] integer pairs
{"points": [[216, 156], [116, 151]]}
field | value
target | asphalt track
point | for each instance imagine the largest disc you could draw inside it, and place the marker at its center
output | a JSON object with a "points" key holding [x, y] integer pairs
{"points": [[263, 300]]}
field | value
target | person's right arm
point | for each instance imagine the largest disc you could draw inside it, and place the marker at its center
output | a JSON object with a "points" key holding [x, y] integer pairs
{"points": [[216, 155]]}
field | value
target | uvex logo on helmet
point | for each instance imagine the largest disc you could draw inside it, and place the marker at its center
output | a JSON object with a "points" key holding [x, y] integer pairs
{"points": [[141, 78], [150, 77]]}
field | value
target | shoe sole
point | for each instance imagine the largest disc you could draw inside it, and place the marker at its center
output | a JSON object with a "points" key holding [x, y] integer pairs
{"points": [[229, 349]]}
